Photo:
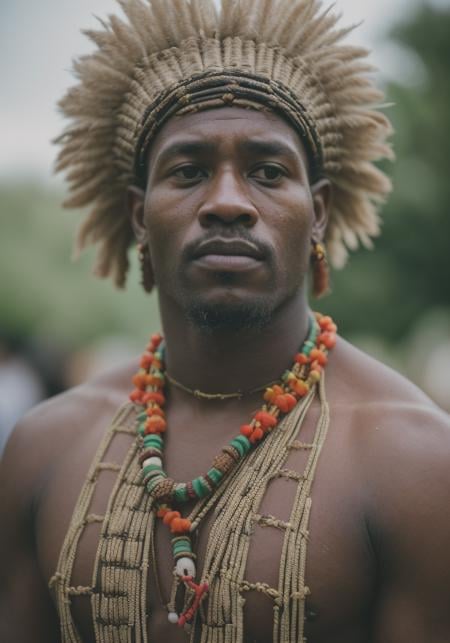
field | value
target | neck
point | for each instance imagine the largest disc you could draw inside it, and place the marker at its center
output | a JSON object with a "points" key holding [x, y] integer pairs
{"points": [[229, 361]]}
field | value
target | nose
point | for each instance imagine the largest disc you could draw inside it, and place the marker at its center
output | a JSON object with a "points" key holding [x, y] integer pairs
{"points": [[227, 202]]}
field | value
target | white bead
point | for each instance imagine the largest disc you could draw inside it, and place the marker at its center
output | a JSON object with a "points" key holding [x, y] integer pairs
{"points": [[185, 567], [154, 460], [173, 617]]}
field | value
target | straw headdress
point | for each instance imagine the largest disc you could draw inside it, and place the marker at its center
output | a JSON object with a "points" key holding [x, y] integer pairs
{"points": [[184, 55]]}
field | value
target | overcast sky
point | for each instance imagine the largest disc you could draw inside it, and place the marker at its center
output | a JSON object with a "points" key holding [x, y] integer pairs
{"points": [[39, 39]]}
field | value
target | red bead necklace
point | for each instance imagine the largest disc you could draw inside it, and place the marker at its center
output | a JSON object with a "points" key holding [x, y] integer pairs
{"points": [[279, 399]]}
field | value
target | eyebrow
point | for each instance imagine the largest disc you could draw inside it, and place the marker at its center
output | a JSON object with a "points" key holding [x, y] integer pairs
{"points": [[185, 148], [269, 148], [253, 147]]}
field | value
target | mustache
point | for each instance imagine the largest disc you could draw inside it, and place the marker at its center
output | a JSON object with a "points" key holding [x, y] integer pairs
{"points": [[190, 251]]}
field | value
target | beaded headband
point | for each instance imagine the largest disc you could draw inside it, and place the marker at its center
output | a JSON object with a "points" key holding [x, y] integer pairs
{"points": [[217, 89], [181, 56]]}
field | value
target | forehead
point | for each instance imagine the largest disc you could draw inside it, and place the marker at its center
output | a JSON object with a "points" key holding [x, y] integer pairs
{"points": [[227, 125]]}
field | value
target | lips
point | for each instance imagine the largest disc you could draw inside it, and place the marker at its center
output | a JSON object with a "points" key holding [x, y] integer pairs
{"points": [[228, 248]]}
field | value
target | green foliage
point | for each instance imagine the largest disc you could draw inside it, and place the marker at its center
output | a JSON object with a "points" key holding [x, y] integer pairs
{"points": [[45, 294], [386, 292], [382, 293]]}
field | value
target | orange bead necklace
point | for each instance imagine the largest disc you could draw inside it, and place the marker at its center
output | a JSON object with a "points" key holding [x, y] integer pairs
{"points": [[279, 399]]}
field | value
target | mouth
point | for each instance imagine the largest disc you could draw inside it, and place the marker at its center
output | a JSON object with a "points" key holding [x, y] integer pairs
{"points": [[228, 248]]}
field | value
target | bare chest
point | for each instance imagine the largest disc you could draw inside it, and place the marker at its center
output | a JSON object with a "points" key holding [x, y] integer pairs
{"points": [[331, 567]]}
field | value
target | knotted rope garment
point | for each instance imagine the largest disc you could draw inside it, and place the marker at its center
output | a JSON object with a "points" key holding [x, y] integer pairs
{"points": [[120, 577]]}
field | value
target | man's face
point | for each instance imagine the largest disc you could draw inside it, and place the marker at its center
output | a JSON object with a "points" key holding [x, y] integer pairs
{"points": [[229, 215]]}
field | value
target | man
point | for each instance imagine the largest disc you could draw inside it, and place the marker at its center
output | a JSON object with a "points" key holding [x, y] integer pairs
{"points": [[239, 142]]}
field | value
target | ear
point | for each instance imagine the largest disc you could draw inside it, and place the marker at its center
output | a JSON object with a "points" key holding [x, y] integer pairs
{"points": [[322, 194], [135, 209]]}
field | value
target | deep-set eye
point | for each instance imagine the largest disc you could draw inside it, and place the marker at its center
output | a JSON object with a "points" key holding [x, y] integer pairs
{"points": [[269, 173], [189, 173]]}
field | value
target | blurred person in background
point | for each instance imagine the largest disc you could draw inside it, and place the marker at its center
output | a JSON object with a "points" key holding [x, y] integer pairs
{"points": [[241, 145], [21, 386]]}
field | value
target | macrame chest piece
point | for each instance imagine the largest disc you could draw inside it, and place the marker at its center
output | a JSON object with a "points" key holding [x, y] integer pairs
{"points": [[169, 496]]}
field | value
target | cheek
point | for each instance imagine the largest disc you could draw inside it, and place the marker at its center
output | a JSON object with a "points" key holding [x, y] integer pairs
{"points": [[163, 251], [293, 232], [168, 224], [296, 260], [167, 209]]}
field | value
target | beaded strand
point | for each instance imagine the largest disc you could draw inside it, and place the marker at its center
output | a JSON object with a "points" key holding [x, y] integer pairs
{"points": [[279, 399]]}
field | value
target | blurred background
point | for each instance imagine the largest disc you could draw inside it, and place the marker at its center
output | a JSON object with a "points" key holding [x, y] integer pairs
{"points": [[59, 325]]}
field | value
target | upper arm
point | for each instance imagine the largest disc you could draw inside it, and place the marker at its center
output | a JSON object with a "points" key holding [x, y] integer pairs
{"points": [[27, 614], [410, 511]]}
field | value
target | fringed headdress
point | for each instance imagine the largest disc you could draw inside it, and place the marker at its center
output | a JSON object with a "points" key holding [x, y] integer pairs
{"points": [[179, 56]]}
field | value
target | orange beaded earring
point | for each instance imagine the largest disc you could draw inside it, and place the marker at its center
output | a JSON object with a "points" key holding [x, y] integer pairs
{"points": [[146, 269], [320, 270]]}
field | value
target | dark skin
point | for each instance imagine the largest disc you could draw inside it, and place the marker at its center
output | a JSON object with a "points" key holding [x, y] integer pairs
{"points": [[378, 559]]}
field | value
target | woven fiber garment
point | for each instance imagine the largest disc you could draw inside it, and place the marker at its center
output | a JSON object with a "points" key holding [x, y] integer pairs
{"points": [[177, 56], [119, 585]]}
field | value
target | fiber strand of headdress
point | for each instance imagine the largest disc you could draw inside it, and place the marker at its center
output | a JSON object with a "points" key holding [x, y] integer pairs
{"points": [[288, 55]]}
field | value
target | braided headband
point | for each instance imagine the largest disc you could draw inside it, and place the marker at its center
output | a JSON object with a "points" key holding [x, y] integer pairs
{"points": [[216, 89], [171, 57]]}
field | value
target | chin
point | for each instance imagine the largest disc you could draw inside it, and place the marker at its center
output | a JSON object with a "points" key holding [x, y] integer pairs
{"points": [[231, 306], [230, 315]]}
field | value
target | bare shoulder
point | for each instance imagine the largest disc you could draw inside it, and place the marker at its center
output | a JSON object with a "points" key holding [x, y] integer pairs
{"points": [[400, 445], [52, 427], [47, 438], [388, 415], [360, 380]]}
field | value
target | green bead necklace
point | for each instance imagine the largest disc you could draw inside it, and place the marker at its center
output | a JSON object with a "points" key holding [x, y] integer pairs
{"points": [[279, 399]]}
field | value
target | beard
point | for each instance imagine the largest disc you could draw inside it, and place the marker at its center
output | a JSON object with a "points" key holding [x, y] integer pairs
{"points": [[228, 314], [239, 316]]}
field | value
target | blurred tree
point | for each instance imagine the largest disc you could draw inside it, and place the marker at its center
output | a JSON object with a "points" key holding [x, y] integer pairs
{"points": [[43, 294], [383, 293], [386, 292]]}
